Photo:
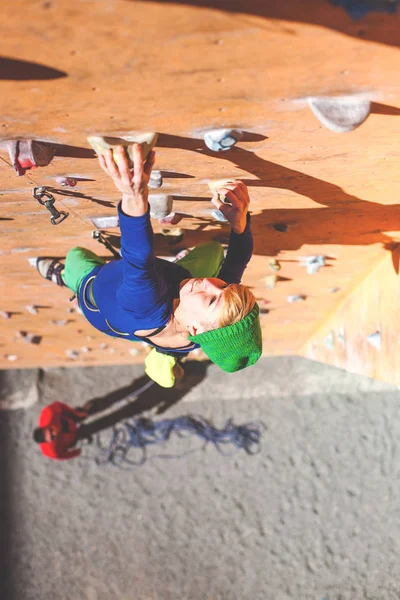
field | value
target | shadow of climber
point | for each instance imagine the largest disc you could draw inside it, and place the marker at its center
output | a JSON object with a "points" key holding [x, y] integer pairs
{"points": [[152, 397]]}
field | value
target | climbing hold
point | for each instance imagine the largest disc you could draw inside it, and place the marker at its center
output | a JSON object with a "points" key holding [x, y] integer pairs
{"points": [[333, 290], [219, 216], [67, 181], [274, 264], [5, 314], [282, 227], [171, 219], [103, 346], [32, 310], [11, 357], [216, 185], [375, 339], [133, 351], [222, 139], [329, 341], [156, 179], [85, 349], [31, 338], [59, 322], [29, 154], [313, 263], [340, 113], [174, 236], [341, 336], [270, 281], [160, 205], [72, 354], [147, 142], [105, 222], [296, 298]]}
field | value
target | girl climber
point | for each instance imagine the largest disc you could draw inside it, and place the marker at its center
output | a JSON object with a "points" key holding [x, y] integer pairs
{"points": [[174, 307]]}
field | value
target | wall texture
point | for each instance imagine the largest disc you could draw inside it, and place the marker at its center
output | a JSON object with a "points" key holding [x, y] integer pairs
{"points": [[180, 69]]}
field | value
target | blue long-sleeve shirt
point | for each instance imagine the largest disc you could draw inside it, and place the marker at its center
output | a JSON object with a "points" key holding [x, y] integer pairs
{"points": [[136, 292]]}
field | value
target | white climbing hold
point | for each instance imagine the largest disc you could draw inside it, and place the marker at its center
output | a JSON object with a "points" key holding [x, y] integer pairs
{"points": [[11, 357], [5, 314], [147, 142], [340, 113], [32, 309], [133, 351], [219, 216], [103, 346], [160, 205], [59, 322], [375, 340], [329, 341], [270, 281], [156, 179], [222, 139], [313, 263], [85, 349], [31, 338], [341, 336], [217, 185], [296, 298], [105, 222], [333, 290], [72, 354]]}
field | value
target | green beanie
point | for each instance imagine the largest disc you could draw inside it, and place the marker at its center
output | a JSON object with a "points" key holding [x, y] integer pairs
{"points": [[236, 346]]}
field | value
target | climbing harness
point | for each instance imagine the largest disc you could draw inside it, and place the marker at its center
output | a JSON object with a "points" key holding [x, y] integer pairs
{"points": [[141, 432], [57, 217], [98, 235]]}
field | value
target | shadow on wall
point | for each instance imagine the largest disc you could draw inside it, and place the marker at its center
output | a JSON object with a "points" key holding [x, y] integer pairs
{"points": [[382, 27], [344, 219], [13, 69]]}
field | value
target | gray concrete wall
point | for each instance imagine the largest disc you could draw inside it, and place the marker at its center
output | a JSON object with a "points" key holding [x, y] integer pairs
{"points": [[315, 515]]}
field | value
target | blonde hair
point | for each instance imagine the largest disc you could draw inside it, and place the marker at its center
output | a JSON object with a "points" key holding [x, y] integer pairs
{"points": [[239, 301]]}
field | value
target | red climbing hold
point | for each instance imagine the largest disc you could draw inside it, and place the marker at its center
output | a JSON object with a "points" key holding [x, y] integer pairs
{"points": [[29, 154]]}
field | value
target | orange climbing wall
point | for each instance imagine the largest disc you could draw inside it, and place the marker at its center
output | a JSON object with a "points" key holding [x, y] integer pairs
{"points": [[180, 68]]}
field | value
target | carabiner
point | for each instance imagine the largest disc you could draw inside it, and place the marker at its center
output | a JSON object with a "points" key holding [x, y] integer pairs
{"points": [[40, 192]]}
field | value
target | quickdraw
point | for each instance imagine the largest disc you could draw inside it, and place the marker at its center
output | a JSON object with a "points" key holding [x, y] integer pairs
{"points": [[99, 236], [57, 217]]}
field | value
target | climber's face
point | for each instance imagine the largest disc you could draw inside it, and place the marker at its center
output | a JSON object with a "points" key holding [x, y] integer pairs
{"points": [[200, 304]]}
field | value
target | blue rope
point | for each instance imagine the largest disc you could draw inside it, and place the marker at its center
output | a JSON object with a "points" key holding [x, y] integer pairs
{"points": [[140, 432]]}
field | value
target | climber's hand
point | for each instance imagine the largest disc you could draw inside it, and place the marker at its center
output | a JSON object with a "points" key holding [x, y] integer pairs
{"points": [[236, 204], [132, 183]]}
